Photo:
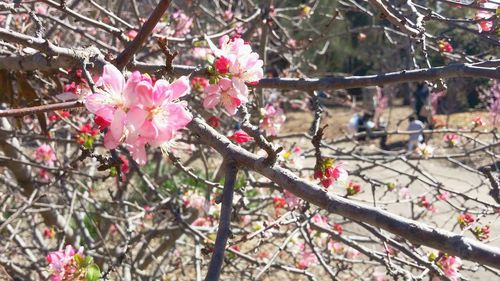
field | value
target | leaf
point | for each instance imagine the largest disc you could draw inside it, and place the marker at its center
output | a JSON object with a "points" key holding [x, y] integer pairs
{"points": [[93, 273], [79, 260], [88, 260]]}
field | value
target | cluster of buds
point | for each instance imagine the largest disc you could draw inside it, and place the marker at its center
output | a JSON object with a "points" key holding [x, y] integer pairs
{"points": [[481, 233], [424, 202], [279, 202], [214, 121], [353, 188], [61, 114], [327, 172], [445, 46], [451, 139], [69, 264], [232, 66], [465, 219], [49, 232], [77, 82], [390, 186], [338, 227], [199, 83], [86, 136], [448, 264]]}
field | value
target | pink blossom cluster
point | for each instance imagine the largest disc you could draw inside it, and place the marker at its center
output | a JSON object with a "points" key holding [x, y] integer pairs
{"points": [[481, 232], [182, 23], [353, 188], [272, 120], [44, 153], [465, 219], [137, 112], [329, 173], [234, 65], [62, 263], [307, 258], [450, 266]]}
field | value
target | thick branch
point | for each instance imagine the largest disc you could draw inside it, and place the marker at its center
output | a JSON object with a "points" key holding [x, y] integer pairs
{"points": [[224, 222], [123, 59], [416, 232]]}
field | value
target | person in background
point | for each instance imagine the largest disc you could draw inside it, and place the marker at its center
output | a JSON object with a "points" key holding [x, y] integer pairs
{"points": [[421, 96], [416, 137], [365, 124]]}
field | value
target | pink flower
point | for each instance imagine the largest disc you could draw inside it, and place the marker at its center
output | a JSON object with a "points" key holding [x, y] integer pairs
{"points": [[272, 120], [379, 276], [320, 220], [404, 193], [478, 121], [443, 196], [137, 112], [49, 233], [307, 258], [193, 200], [245, 220], [201, 53], [425, 151], [44, 175], [481, 233], [243, 63], [335, 246], [112, 101], [450, 266], [352, 253], [326, 182], [228, 15], [131, 34], [62, 265], [484, 25], [46, 154], [230, 93], [182, 23], [451, 139], [291, 200], [241, 137], [158, 114], [292, 43], [202, 222]]}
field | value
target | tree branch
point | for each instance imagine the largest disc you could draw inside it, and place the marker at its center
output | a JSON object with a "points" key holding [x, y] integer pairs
{"points": [[224, 222], [416, 232], [123, 59]]}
